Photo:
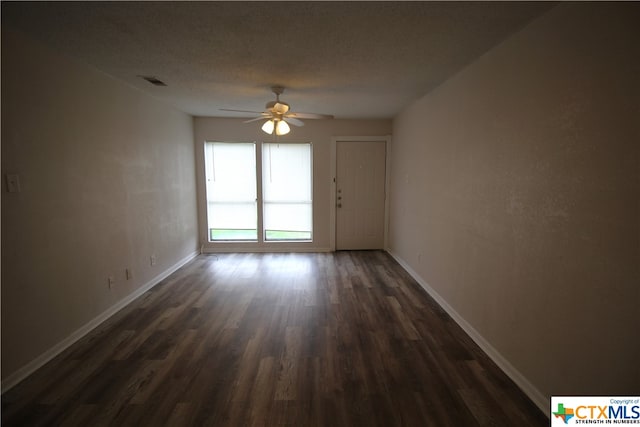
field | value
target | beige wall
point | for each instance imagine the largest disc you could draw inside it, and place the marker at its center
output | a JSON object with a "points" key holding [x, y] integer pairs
{"points": [[515, 196], [108, 179], [320, 133]]}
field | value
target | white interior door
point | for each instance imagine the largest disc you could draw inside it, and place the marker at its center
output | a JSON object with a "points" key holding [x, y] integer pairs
{"points": [[360, 194]]}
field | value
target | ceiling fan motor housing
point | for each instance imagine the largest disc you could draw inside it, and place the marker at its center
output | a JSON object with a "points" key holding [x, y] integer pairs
{"points": [[277, 107]]}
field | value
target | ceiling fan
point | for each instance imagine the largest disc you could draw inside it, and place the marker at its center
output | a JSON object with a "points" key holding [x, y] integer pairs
{"points": [[278, 115]]}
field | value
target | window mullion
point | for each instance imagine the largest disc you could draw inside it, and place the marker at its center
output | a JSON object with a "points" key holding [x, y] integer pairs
{"points": [[259, 194]]}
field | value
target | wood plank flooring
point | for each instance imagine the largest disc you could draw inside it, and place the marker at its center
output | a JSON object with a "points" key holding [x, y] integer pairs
{"points": [[343, 339]]}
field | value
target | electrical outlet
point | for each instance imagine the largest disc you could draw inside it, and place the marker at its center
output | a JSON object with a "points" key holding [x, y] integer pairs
{"points": [[153, 260], [111, 281], [13, 183], [128, 274]]}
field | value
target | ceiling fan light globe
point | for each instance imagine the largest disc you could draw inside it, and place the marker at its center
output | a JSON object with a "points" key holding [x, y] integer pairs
{"points": [[282, 128], [268, 127]]}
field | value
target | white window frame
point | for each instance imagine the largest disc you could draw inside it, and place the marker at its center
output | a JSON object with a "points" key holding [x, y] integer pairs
{"points": [[309, 201], [261, 232]]}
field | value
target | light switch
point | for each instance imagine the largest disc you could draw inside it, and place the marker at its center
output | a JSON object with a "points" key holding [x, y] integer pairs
{"points": [[13, 183]]}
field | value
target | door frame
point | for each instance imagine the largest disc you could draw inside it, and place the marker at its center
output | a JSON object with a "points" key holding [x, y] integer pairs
{"points": [[332, 188]]}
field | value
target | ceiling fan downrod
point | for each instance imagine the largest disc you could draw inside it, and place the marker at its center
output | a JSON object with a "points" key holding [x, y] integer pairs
{"points": [[278, 90]]}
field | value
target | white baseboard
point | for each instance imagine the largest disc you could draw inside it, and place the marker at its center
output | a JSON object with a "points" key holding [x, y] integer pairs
{"points": [[48, 355], [521, 381]]}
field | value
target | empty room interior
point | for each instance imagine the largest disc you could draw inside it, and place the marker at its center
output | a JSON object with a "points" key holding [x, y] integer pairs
{"points": [[318, 213]]}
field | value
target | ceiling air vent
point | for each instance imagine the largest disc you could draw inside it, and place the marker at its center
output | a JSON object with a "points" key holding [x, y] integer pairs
{"points": [[153, 80]]}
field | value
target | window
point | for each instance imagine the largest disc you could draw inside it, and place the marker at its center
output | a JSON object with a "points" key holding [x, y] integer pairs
{"points": [[230, 170], [232, 180], [287, 189]]}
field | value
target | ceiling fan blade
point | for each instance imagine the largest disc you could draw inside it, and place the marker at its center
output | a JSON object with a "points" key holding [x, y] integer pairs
{"points": [[242, 111], [293, 121], [309, 116], [256, 119]]}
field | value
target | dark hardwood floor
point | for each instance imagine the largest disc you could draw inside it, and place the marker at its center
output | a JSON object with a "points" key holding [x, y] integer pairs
{"points": [[344, 339]]}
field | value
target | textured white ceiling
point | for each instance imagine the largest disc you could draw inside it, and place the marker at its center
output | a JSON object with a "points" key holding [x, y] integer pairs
{"points": [[349, 59]]}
